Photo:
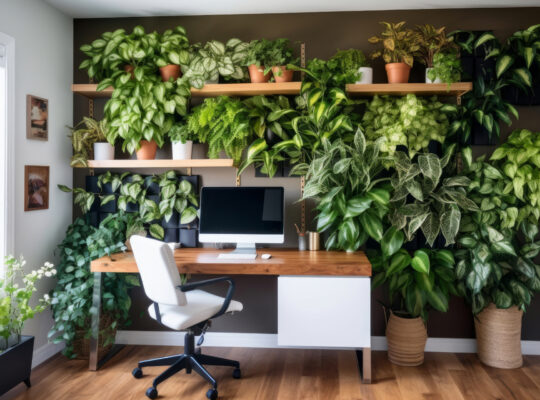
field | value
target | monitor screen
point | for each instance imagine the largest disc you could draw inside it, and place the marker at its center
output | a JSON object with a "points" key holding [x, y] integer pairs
{"points": [[241, 211]]}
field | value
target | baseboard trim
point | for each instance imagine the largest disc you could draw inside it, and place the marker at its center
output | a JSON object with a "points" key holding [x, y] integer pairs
{"points": [[45, 352], [268, 340]]}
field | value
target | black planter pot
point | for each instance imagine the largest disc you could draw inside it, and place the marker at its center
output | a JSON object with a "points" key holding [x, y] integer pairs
{"points": [[271, 138], [189, 238], [481, 137], [153, 197], [171, 236], [91, 183], [172, 223], [93, 218], [484, 68], [435, 147], [152, 188], [109, 207], [107, 188], [132, 207], [467, 67], [515, 96], [16, 364]]}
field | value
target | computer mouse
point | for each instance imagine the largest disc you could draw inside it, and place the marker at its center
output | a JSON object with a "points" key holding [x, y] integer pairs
{"points": [[266, 256]]}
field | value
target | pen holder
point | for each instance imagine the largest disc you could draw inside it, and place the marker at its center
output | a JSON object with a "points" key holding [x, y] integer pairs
{"points": [[302, 243], [314, 241]]}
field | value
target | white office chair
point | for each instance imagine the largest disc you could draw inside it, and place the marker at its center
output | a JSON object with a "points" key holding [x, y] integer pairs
{"points": [[180, 307]]}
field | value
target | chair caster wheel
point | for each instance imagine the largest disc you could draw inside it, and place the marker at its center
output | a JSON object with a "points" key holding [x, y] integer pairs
{"points": [[137, 373], [151, 393], [237, 374], [212, 394]]}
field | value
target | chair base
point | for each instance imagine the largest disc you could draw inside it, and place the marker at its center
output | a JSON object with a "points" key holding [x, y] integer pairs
{"points": [[191, 360]]}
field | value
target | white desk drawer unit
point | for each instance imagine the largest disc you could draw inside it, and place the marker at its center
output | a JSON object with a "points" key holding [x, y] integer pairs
{"points": [[324, 311]]}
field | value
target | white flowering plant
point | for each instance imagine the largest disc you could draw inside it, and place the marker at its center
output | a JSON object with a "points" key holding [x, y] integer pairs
{"points": [[16, 290]]}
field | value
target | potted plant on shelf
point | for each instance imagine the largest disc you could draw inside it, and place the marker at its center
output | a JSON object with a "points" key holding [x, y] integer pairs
{"points": [[438, 53], [353, 61], [416, 285], [181, 142], [496, 271], [103, 55], [400, 44], [16, 350], [256, 60], [172, 51], [91, 136], [279, 55], [138, 50]]}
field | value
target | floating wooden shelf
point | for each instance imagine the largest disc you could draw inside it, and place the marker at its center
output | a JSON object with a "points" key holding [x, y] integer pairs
{"points": [[400, 89], [195, 163], [211, 90]]}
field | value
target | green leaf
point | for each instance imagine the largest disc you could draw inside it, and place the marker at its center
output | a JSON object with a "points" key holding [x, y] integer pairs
{"points": [[503, 247], [391, 242], [399, 262], [437, 300], [420, 261], [430, 166], [157, 231], [357, 205], [372, 224], [450, 220], [503, 63], [380, 196], [188, 215]]}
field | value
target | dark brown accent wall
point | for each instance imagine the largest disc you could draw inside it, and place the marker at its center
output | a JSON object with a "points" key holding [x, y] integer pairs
{"points": [[322, 33]]}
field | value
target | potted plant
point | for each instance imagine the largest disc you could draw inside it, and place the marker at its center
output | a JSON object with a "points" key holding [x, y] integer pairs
{"points": [[416, 284], [172, 51], [138, 49], [16, 350], [91, 136], [436, 49], [256, 59], [400, 44], [353, 60], [446, 68], [181, 142], [279, 56], [103, 55], [496, 271]]}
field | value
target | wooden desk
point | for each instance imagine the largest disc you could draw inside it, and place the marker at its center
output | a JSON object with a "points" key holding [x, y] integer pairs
{"points": [[303, 277]]}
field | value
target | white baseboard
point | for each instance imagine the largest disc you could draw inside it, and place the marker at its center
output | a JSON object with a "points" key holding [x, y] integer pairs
{"points": [[269, 341], [45, 352]]}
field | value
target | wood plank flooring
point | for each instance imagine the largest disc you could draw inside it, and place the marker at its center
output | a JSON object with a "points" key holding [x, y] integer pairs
{"points": [[283, 374]]}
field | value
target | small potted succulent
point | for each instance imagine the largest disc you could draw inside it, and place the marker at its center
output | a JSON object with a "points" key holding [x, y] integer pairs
{"points": [[171, 53], [400, 44], [87, 135], [15, 349], [353, 60], [181, 142], [256, 58], [279, 56]]}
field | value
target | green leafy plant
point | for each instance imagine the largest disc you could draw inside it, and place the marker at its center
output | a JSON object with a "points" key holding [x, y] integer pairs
{"points": [[177, 196], [423, 200], [416, 284], [279, 53], [83, 136], [432, 41], [103, 55], [17, 289], [400, 44], [223, 123], [407, 120], [446, 67], [352, 201], [257, 53], [350, 60], [72, 297], [180, 133], [172, 48]]}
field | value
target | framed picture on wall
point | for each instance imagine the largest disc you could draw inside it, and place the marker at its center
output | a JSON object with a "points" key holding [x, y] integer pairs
{"points": [[36, 187], [37, 118]]}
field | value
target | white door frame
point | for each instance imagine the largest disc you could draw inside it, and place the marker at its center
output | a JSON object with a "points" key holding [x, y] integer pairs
{"points": [[7, 150]]}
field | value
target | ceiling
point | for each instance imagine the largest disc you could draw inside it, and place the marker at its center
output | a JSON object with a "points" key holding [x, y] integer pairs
{"points": [[142, 8]]}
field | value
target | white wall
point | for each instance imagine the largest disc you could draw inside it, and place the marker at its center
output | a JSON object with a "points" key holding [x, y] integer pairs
{"points": [[43, 67]]}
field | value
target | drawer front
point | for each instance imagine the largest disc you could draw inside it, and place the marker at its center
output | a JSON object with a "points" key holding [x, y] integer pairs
{"points": [[324, 311]]}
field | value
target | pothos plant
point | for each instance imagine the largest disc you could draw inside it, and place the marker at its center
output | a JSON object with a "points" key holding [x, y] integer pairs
{"points": [[353, 200], [172, 47], [279, 53], [400, 44], [177, 195], [72, 296], [424, 200], [446, 67]]}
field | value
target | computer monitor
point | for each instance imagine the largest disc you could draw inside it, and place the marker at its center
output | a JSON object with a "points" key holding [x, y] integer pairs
{"points": [[241, 215]]}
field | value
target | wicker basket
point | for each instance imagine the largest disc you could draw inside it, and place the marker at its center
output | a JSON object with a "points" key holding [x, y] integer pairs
{"points": [[406, 339], [498, 336], [81, 344]]}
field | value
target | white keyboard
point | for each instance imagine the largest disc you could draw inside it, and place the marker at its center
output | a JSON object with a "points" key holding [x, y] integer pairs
{"points": [[236, 256]]}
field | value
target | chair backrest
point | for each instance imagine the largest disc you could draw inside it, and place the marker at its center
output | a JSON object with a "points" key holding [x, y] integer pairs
{"points": [[159, 274]]}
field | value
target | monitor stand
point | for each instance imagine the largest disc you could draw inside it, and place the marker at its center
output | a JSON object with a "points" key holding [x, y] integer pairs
{"points": [[243, 251]]}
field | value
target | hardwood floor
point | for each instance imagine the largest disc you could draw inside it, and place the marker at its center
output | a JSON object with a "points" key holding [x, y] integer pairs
{"points": [[287, 374]]}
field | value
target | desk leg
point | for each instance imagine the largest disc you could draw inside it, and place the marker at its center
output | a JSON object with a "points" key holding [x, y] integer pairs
{"points": [[95, 362], [364, 364]]}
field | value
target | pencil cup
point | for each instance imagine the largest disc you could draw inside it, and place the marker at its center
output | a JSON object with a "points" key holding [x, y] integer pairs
{"points": [[314, 241], [302, 243]]}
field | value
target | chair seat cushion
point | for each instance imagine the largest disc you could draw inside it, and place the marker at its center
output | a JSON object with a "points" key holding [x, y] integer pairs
{"points": [[200, 306]]}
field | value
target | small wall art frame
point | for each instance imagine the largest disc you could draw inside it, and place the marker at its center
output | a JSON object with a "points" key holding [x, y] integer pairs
{"points": [[37, 118], [36, 187]]}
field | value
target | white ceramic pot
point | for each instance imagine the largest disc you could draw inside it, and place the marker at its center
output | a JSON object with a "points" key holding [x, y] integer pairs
{"points": [[103, 151], [367, 75], [182, 151], [436, 80]]}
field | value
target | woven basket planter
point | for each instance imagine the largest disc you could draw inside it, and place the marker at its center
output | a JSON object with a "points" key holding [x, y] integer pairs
{"points": [[498, 336], [406, 339]]}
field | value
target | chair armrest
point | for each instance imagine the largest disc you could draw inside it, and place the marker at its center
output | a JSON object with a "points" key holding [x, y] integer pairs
{"points": [[195, 285]]}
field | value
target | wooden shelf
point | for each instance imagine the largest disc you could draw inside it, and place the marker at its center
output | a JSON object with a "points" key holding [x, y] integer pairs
{"points": [[401, 89], [211, 90], [195, 163]]}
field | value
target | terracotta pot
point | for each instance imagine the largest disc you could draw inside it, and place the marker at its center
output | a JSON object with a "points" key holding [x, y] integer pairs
{"points": [[147, 151], [257, 75], [130, 69], [397, 72], [498, 336], [170, 71], [282, 74], [406, 339]]}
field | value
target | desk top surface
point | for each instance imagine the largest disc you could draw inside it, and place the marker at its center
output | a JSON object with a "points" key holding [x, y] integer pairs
{"points": [[283, 262]]}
